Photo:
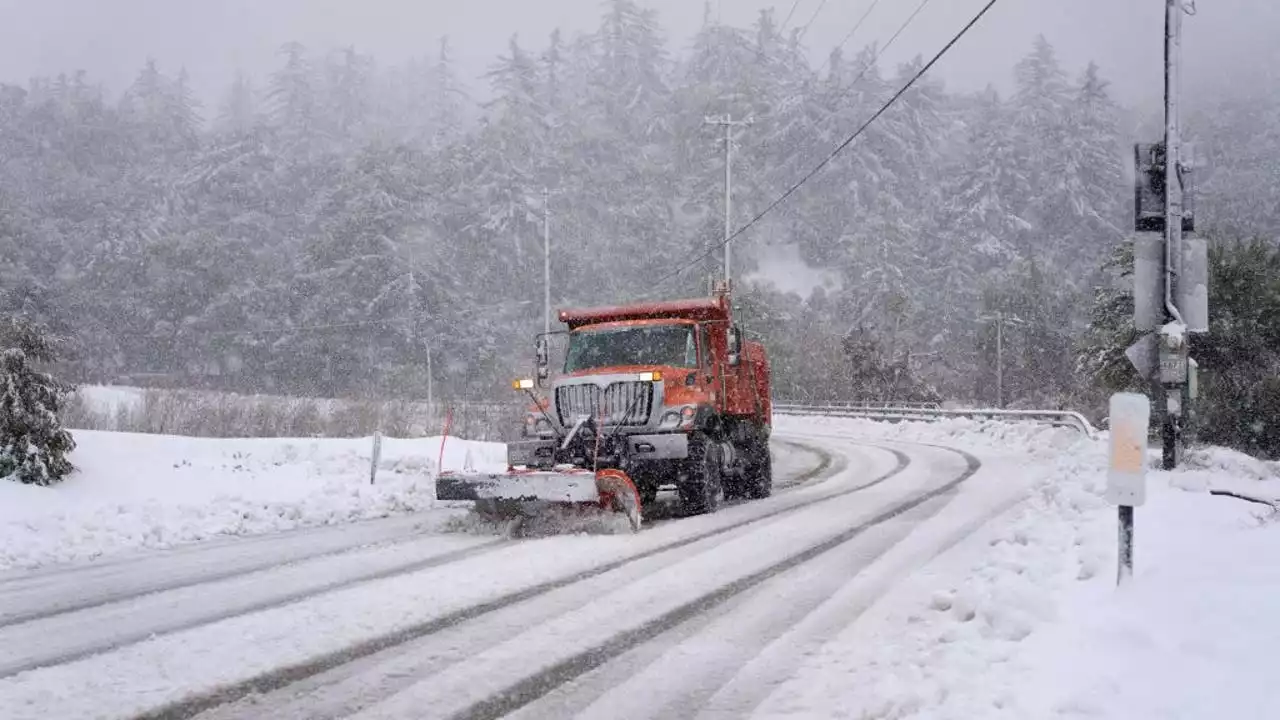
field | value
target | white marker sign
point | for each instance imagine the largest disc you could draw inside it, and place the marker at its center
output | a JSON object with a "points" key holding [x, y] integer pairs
{"points": [[1130, 423]]}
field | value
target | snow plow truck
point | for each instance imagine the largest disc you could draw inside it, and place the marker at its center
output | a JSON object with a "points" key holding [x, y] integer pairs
{"points": [[650, 395]]}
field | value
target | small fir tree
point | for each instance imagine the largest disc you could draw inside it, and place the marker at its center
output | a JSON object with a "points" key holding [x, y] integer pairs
{"points": [[33, 444]]}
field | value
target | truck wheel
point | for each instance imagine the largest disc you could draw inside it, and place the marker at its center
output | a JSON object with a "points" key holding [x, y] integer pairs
{"points": [[759, 472], [700, 492]]}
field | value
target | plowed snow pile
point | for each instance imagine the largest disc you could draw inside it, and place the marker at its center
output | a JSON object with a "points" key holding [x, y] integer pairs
{"points": [[153, 491], [1023, 620]]}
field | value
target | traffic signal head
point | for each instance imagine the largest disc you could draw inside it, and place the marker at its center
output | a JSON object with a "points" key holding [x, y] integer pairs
{"points": [[1149, 187]]}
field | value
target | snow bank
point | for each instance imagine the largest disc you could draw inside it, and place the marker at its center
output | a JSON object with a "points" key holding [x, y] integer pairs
{"points": [[1022, 620], [153, 491], [1193, 636], [1039, 441]]}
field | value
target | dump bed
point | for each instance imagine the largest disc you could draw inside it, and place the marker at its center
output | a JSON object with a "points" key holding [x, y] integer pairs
{"points": [[700, 309]]}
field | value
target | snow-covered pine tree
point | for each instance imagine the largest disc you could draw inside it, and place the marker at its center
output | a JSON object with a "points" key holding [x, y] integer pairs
{"points": [[1040, 110], [291, 97], [346, 104], [449, 100], [33, 443], [238, 112], [1101, 367], [1093, 174]]}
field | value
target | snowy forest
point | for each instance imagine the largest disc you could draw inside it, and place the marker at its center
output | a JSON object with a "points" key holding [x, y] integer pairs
{"points": [[322, 229]]}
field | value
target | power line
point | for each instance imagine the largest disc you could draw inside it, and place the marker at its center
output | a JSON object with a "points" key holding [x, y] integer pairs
{"points": [[875, 57], [880, 50], [839, 148], [285, 329], [790, 13], [858, 25], [805, 31]]}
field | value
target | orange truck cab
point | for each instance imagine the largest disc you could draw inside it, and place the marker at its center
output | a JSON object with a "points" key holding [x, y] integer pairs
{"points": [[672, 395]]}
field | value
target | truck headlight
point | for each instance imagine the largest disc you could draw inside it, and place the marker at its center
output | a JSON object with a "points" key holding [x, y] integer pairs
{"points": [[536, 425], [681, 417]]}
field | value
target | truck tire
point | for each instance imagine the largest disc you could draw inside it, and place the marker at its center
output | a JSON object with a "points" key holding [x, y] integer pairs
{"points": [[701, 490], [758, 478]]}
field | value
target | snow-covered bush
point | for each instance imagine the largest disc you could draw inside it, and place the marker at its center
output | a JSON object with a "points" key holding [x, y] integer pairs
{"points": [[33, 443]]}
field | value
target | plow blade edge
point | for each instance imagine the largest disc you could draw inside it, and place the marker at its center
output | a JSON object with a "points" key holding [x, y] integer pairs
{"points": [[611, 490]]}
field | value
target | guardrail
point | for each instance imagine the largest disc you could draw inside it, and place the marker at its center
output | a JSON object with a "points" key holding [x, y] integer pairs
{"points": [[923, 413], [866, 405]]}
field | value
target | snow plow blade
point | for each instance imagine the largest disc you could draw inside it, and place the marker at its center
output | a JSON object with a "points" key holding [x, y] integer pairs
{"points": [[526, 492]]}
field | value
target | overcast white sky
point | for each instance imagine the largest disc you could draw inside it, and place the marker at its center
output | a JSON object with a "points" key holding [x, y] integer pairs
{"points": [[1227, 41]]}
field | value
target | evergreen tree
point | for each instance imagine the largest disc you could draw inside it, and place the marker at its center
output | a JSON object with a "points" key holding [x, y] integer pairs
{"points": [[1240, 355], [1093, 179], [239, 110], [365, 193], [291, 97], [1101, 365], [348, 94], [33, 444], [448, 99], [1040, 109]]}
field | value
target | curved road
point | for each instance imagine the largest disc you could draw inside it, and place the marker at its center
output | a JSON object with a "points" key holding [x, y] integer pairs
{"points": [[690, 618]]}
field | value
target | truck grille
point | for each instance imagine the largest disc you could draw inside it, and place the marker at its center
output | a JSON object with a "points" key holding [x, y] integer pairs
{"points": [[613, 403]]}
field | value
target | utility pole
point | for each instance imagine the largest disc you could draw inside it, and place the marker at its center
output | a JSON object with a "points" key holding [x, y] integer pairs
{"points": [[1175, 335], [415, 328], [728, 123], [1000, 318], [546, 261], [426, 344], [1171, 273]]}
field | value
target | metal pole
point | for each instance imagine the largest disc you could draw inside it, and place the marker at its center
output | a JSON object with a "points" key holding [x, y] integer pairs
{"points": [[1173, 216], [729, 123], [426, 342], [728, 193], [1173, 153], [546, 261], [1125, 570], [1000, 360]]}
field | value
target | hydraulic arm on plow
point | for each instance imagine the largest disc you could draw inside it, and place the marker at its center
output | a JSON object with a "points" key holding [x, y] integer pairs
{"points": [[651, 395]]}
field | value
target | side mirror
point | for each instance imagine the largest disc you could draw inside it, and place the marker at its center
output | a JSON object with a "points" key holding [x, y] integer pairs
{"points": [[735, 346]]}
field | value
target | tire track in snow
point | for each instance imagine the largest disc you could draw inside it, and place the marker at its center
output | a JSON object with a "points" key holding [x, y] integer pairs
{"points": [[723, 664], [284, 676], [93, 625], [541, 683], [39, 596], [339, 691], [29, 655], [817, 471]]}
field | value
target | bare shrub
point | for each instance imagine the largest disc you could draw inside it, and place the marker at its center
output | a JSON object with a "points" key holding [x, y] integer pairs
{"points": [[223, 415]]}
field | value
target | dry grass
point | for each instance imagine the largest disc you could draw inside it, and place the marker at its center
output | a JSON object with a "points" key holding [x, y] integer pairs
{"points": [[223, 415]]}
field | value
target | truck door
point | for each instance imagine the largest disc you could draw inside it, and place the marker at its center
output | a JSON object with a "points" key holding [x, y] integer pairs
{"points": [[739, 399]]}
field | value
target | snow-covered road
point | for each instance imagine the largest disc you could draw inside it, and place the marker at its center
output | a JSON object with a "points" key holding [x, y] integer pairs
{"points": [[699, 616]]}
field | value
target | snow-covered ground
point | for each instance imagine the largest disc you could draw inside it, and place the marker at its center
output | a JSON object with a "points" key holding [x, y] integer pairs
{"points": [[993, 599], [152, 491], [1023, 619]]}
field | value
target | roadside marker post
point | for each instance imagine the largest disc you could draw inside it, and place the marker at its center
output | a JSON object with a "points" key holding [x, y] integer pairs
{"points": [[376, 456], [1127, 470]]}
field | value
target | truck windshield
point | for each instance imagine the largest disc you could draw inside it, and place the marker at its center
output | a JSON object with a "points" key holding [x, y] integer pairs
{"points": [[669, 345]]}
